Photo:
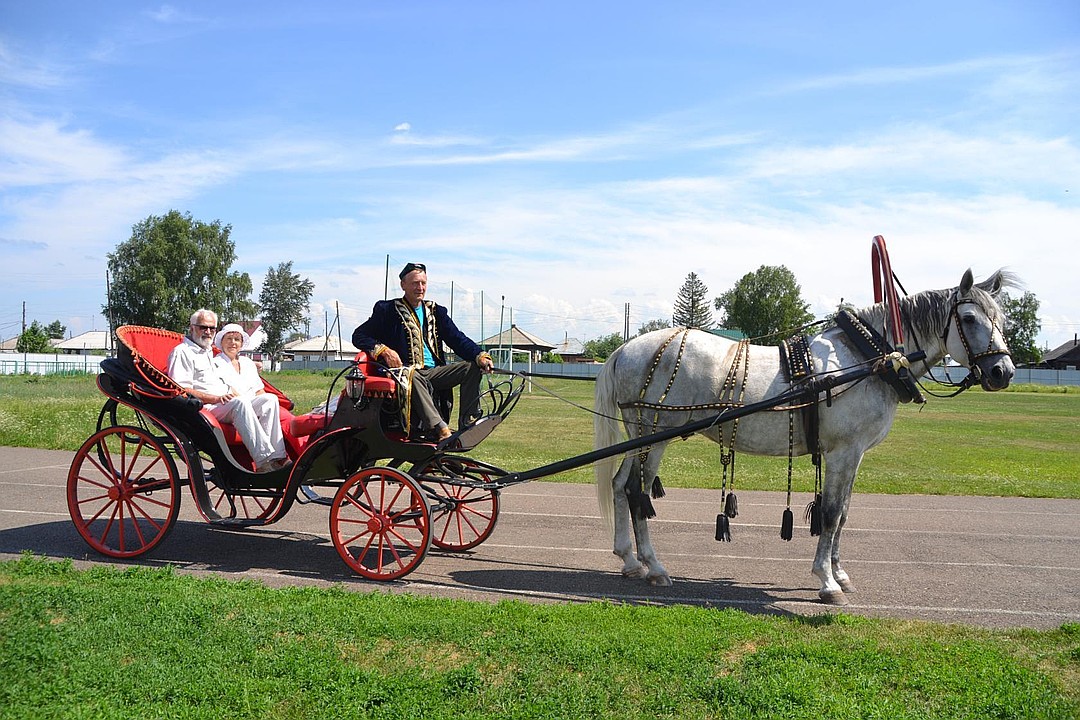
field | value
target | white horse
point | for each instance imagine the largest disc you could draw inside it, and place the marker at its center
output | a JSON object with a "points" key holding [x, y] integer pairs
{"points": [[688, 372]]}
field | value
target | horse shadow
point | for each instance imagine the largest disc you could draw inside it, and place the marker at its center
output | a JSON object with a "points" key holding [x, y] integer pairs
{"points": [[283, 557], [530, 581]]}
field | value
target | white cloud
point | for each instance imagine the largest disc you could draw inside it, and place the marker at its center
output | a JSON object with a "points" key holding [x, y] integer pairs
{"points": [[19, 71], [906, 73]]}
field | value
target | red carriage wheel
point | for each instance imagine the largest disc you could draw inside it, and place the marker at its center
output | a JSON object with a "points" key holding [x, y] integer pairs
{"points": [[123, 492], [465, 516], [379, 523]]}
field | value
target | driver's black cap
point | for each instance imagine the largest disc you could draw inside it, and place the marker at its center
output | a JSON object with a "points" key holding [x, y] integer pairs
{"points": [[409, 267]]}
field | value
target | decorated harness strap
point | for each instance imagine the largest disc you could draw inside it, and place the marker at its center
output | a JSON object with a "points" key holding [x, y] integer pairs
{"points": [[873, 345], [797, 365]]}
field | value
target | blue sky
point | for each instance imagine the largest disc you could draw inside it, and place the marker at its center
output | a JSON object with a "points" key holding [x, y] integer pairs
{"points": [[549, 161]]}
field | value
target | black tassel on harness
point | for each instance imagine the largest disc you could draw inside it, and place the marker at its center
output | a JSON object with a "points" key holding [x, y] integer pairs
{"points": [[657, 488], [813, 515], [731, 506], [723, 528], [641, 506], [787, 525]]}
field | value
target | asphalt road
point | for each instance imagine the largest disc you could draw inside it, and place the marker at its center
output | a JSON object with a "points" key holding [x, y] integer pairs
{"points": [[992, 562]]}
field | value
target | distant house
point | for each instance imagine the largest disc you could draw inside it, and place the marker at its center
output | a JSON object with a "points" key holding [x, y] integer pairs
{"points": [[518, 340], [91, 342], [258, 336], [9, 345], [572, 350], [1063, 357], [320, 348], [728, 333]]}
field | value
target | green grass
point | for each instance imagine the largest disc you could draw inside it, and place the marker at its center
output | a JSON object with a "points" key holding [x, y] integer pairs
{"points": [[1022, 442], [139, 642], [147, 643]]}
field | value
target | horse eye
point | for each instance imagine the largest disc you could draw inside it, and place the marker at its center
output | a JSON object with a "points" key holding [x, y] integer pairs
{"points": [[970, 319]]}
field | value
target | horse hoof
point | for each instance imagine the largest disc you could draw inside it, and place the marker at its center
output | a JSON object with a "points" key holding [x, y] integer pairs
{"points": [[847, 586], [660, 581], [833, 597], [635, 572]]}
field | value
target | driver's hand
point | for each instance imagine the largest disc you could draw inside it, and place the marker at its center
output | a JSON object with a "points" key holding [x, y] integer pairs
{"points": [[391, 358]]}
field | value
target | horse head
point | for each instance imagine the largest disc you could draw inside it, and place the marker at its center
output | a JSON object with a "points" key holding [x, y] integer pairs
{"points": [[974, 334]]}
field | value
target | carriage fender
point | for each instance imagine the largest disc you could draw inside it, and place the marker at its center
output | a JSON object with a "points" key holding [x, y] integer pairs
{"points": [[321, 458]]}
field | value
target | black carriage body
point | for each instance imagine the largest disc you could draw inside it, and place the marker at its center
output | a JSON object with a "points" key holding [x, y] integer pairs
{"points": [[124, 483]]}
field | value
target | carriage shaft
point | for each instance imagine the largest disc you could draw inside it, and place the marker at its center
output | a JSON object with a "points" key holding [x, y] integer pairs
{"points": [[808, 390]]}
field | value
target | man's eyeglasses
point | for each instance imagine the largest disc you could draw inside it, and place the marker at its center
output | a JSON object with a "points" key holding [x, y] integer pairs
{"points": [[209, 328]]}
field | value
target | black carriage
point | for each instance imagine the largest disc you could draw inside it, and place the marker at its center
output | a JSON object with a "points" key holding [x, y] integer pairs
{"points": [[390, 496]]}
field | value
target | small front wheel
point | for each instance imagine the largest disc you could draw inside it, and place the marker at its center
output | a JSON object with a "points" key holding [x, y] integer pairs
{"points": [[465, 515], [123, 491], [380, 524]]}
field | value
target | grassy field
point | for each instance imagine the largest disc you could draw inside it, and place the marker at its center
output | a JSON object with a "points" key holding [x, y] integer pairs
{"points": [[1015, 443], [138, 642], [149, 643]]}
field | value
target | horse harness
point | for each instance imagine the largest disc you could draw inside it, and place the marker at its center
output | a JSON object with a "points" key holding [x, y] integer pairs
{"points": [[873, 345], [797, 365]]}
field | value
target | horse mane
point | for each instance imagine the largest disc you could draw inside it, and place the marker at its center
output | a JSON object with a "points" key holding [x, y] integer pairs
{"points": [[926, 313]]}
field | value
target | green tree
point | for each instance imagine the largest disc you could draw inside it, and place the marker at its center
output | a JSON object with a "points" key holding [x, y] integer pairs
{"points": [[284, 298], [170, 267], [1021, 326], [55, 330], [765, 304], [33, 339], [601, 348], [691, 307], [653, 325]]}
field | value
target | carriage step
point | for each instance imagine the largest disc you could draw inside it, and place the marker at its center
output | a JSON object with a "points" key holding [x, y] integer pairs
{"points": [[307, 495]]}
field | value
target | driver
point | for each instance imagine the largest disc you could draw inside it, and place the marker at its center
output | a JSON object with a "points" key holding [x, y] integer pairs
{"points": [[409, 332]]}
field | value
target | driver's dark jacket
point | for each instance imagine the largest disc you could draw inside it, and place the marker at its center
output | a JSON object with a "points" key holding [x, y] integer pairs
{"points": [[385, 326]]}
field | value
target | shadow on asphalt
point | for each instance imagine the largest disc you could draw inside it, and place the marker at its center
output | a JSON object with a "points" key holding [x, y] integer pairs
{"points": [[312, 558]]}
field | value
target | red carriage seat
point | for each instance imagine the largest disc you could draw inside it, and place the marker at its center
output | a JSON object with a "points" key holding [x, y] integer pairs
{"points": [[377, 383], [148, 350]]}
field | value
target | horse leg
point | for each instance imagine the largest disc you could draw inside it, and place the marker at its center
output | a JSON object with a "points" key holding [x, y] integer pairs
{"points": [[656, 574], [623, 548], [840, 469], [839, 574]]}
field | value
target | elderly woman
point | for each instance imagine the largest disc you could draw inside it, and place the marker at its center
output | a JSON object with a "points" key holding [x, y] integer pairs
{"points": [[267, 445]]}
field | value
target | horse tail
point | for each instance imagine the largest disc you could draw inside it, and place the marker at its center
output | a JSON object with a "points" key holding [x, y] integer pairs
{"points": [[606, 432]]}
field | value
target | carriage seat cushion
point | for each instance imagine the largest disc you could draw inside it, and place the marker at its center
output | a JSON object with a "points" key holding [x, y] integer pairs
{"points": [[377, 382]]}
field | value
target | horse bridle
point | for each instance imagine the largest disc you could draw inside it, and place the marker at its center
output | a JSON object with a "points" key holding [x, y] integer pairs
{"points": [[974, 371], [974, 375]]}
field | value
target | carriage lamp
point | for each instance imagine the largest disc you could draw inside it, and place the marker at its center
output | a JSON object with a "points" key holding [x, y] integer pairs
{"points": [[354, 384]]}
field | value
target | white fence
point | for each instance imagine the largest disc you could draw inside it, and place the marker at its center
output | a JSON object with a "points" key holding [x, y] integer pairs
{"points": [[48, 363]]}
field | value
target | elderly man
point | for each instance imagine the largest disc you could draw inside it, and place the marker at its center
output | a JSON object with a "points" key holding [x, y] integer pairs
{"points": [[255, 417], [410, 332]]}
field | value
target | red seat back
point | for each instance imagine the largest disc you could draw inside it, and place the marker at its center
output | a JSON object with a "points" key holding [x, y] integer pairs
{"points": [[147, 349]]}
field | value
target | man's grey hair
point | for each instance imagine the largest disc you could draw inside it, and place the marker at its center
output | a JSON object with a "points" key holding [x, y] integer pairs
{"points": [[203, 311]]}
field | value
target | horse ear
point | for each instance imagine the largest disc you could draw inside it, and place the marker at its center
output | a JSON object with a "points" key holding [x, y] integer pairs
{"points": [[966, 282]]}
